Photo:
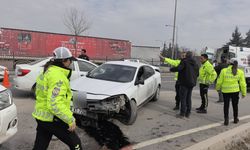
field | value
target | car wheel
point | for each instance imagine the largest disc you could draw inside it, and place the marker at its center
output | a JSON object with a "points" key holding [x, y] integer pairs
{"points": [[129, 115], [156, 95]]}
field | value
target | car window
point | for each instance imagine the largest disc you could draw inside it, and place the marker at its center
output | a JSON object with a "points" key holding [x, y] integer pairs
{"points": [[85, 66], [112, 72], [141, 75], [4, 100], [148, 71]]}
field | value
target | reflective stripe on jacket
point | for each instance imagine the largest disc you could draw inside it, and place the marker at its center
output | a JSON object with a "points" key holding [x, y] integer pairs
{"points": [[228, 83], [53, 96], [173, 63], [207, 74]]}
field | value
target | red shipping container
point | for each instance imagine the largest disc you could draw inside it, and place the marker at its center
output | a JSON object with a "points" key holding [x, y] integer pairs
{"points": [[29, 43]]}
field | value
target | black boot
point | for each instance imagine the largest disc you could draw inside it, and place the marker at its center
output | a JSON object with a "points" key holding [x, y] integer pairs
{"points": [[226, 122], [202, 111], [236, 120], [176, 108], [199, 108]]}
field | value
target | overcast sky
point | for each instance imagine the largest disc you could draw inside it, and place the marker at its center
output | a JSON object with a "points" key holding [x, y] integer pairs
{"points": [[200, 22]]}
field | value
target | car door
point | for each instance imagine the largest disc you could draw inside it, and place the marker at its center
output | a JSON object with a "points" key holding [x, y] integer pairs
{"points": [[141, 89], [84, 67], [149, 81]]}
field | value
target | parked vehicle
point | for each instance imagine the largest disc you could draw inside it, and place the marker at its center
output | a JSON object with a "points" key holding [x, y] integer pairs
{"points": [[26, 74], [242, 55], [8, 115], [2, 69], [115, 90], [210, 53]]}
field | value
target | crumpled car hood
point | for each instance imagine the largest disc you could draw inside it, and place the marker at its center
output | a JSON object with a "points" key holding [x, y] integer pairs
{"points": [[98, 89]]}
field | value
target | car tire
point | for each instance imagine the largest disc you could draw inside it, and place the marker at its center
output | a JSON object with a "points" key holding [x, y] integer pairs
{"points": [[156, 95], [130, 113]]}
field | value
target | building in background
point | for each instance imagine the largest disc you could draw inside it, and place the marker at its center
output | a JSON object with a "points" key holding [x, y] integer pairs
{"points": [[147, 53]]}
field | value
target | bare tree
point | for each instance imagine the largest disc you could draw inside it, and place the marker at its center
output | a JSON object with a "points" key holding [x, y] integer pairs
{"points": [[77, 24]]}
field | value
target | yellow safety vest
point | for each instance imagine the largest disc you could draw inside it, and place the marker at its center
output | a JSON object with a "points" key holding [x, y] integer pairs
{"points": [[53, 96], [174, 63], [228, 83], [207, 74]]}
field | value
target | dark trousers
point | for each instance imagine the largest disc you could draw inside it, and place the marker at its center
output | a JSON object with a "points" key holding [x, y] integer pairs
{"points": [[45, 131], [185, 97], [235, 101], [204, 97], [177, 96]]}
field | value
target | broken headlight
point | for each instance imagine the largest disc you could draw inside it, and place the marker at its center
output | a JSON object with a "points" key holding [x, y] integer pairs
{"points": [[115, 103]]}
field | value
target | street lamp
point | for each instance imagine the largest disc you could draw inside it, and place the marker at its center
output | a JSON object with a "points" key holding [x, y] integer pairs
{"points": [[174, 42], [174, 26], [176, 34]]}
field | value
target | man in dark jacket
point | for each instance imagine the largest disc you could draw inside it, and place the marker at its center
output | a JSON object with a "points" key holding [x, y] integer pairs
{"points": [[218, 68], [188, 70], [84, 55]]}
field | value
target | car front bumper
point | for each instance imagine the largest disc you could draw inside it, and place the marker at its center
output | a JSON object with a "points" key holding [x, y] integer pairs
{"points": [[92, 108]]}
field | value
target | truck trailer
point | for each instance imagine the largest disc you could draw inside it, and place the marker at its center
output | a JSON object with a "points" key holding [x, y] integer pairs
{"points": [[18, 43]]}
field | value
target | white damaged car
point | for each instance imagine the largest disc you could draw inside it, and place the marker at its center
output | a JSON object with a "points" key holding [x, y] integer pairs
{"points": [[8, 115], [115, 90]]}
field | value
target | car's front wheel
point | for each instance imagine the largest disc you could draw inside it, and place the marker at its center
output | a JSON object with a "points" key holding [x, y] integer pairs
{"points": [[129, 115], [156, 95]]}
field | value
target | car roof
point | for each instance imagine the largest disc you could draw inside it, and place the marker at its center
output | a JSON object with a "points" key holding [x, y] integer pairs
{"points": [[42, 61], [126, 63]]}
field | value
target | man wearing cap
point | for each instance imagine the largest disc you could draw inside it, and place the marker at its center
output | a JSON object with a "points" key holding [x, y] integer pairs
{"points": [[52, 109], [83, 55]]}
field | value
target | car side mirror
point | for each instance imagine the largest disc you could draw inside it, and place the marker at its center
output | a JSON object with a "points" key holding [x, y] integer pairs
{"points": [[88, 73], [140, 81]]}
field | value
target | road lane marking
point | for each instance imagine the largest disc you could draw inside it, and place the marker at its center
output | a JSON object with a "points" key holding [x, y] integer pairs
{"points": [[168, 81], [166, 76], [182, 133]]}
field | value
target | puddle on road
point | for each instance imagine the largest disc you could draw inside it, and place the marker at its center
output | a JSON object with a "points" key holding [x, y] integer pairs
{"points": [[107, 134]]}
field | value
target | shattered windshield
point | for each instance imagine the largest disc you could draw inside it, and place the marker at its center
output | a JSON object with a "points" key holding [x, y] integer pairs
{"points": [[112, 72]]}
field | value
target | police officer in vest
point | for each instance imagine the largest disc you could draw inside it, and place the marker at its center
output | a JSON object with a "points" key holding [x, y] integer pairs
{"points": [[207, 76], [52, 109], [231, 81]]}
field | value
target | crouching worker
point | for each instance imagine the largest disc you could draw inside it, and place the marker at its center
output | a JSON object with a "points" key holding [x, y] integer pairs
{"points": [[52, 109], [231, 81]]}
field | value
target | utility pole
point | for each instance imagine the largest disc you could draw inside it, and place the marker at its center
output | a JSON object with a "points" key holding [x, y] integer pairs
{"points": [[173, 45]]}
